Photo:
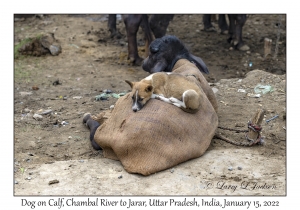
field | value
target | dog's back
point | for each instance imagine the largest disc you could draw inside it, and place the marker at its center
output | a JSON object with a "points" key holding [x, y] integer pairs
{"points": [[190, 70], [173, 84]]}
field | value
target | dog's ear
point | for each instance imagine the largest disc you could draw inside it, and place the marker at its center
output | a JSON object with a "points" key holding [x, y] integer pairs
{"points": [[149, 88], [129, 83], [199, 63]]}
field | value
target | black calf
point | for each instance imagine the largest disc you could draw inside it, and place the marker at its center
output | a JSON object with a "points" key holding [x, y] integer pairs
{"points": [[92, 125]]}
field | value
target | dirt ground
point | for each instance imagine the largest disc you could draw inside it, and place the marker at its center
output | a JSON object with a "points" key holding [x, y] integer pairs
{"points": [[57, 147]]}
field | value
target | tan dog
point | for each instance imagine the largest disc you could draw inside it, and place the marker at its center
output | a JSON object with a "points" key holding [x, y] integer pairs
{"points": [[172, 88]]}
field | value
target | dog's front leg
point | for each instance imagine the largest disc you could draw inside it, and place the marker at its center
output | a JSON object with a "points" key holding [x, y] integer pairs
{"points": [[161, 97], [177, 102], [156, 96], [171, 100]]}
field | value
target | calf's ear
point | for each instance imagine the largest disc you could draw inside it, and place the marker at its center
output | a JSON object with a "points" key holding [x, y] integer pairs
{"points": [[130, 83], [159, 67], [199, 63]]}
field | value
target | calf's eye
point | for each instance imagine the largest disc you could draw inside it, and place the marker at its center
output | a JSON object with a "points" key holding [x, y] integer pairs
{"points": [[154, 50]]}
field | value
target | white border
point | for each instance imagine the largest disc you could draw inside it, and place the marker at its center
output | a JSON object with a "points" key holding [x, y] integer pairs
{"points": [[8, 201]]}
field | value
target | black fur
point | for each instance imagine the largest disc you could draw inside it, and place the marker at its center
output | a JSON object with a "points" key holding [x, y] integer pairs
{"points": [[165, 52], [92, 125]]}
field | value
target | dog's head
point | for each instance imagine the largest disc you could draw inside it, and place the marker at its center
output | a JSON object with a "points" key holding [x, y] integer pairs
{"points": [[141, 93], [165, 52]]}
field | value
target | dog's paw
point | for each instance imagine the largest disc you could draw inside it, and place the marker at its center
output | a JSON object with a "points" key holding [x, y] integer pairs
{"points": [[158, 97], [174, 100], [164, 99], [177, 104]]}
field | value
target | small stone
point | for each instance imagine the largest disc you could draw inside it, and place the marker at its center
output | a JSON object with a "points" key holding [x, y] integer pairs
{"points": [[69, 137], [64, 123], [55, 181], [120, 177], [107, 91], [81, 161], [268, 111], [230, 168], [251, 95], [56, 82], [26, 110], [240, 168], [35, 88], [215, 90], [44, 112], [16, 182], [55, 49], [37, 117], [77, 97], [25, 93], [28, 178]]}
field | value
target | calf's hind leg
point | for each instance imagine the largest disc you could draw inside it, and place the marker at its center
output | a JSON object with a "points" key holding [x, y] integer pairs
{"points": [[92, 125]]}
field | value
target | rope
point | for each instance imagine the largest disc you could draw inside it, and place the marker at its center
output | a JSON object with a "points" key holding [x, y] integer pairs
{"points": [[232, 129], [255, 128]]}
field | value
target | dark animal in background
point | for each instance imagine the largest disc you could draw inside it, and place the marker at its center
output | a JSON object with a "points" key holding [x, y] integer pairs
{"points": [[221, 23], [236, 23], [165, 52], [156, 24], [112, 27]]}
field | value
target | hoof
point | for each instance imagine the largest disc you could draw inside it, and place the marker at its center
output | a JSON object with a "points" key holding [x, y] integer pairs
{"points": [[210, 29], [86, 116], [116, 35], [244, 48], [225, 32], [136, 61]]}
